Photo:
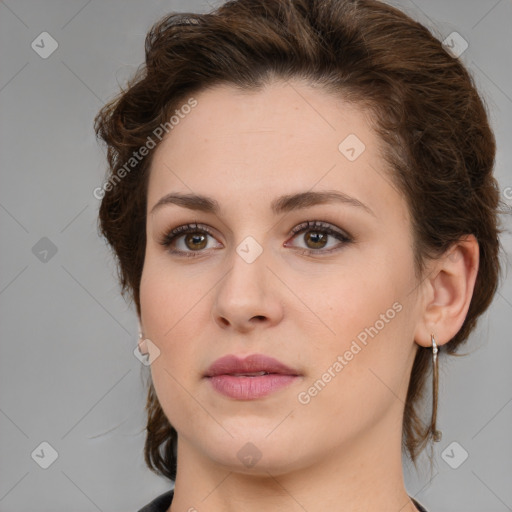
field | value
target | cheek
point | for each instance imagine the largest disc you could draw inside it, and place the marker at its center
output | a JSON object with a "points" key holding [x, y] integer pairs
{"points": [[357, 383], [166, 300], [344, 302], [367, 341], [173, 318], [164, 318], [154, 300]]}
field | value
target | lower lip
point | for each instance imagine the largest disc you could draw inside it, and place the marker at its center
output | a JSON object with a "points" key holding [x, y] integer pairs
{"points": [[249, 388]]}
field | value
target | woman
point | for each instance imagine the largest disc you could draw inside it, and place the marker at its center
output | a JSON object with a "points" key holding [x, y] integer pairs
{"points": [[302, 205]]}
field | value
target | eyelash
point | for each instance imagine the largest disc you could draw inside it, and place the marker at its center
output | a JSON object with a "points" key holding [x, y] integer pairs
{"points": [[317, 226]]}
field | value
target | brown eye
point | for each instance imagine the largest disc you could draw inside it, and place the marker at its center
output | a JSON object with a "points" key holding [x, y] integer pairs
{"points": [[188, 240], [195, 241], [316, 239], [318, 236]]}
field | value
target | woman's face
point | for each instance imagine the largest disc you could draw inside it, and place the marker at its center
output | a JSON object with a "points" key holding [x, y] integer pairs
{"points": [[336, 302]]}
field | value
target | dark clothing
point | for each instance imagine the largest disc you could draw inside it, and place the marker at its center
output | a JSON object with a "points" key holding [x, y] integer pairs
{"points": [[163, 502], [160, 504]]}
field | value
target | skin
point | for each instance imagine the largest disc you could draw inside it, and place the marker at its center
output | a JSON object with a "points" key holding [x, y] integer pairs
{"points": [[341, 451]]}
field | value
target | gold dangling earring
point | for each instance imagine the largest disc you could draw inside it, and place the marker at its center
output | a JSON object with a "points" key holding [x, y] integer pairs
{"points": [[436, 434]]}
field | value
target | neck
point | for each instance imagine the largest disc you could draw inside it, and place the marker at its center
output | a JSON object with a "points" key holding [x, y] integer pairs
{"points": [[362, 474]]}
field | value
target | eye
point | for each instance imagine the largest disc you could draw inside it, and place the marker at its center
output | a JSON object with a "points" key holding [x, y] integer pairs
{"points": [[316, 236], [191, 240], [188, 240]]}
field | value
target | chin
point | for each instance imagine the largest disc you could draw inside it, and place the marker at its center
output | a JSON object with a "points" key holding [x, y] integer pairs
{"points": [[256, 453]]}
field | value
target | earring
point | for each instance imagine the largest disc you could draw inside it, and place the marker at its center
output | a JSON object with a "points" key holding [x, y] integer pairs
{"points": [[143, 346], [436, 434], [140, 330]]}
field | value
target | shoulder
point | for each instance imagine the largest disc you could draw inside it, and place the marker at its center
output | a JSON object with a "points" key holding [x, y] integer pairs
{"points": [[160, 503]]}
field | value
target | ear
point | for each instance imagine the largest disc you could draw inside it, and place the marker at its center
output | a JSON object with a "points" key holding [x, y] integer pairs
{"points": [[447, 292]]}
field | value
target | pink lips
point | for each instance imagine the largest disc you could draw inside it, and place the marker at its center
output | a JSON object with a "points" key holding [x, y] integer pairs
{"points": [[247, 379]]}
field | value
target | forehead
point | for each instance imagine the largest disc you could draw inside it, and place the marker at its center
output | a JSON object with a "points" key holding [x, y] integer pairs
{"points": [[283, 137], [280, 110]]}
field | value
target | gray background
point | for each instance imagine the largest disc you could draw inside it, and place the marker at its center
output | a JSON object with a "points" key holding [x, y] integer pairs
{"points": [[68, 375]]}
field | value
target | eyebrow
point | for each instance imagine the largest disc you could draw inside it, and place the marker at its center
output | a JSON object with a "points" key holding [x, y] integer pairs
{"points": [[282, 204]]}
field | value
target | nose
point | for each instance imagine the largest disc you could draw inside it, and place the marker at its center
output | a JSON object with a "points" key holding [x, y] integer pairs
{"points": [[247, 296]]}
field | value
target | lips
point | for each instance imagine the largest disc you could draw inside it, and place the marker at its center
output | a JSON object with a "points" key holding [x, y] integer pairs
{"points": [[253, 378], [252, 366]]}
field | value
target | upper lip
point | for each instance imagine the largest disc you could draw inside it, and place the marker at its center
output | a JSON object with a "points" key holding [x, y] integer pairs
{"points": [[254, 363]]}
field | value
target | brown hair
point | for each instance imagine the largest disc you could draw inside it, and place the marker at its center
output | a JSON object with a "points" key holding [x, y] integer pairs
{"points": [[425, 107]]}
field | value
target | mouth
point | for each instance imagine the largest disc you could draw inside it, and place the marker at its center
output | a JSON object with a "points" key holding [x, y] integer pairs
{"points": [[255, 365], [254, 377], [255, 374]]}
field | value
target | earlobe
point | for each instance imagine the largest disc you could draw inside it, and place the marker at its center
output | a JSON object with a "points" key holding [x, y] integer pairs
{"points": [[449, 290]]}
